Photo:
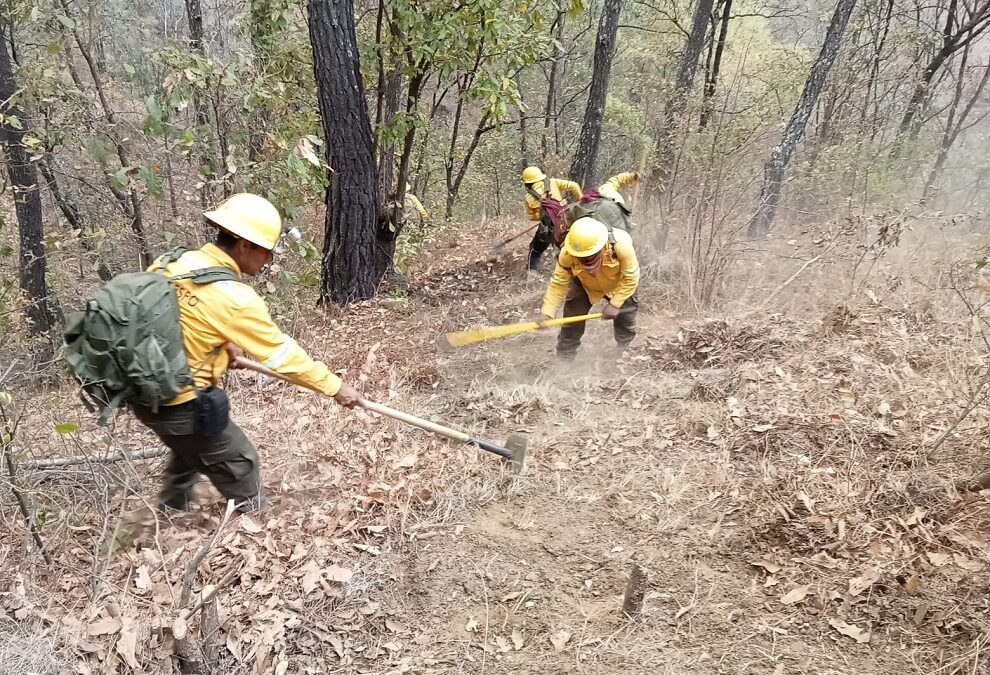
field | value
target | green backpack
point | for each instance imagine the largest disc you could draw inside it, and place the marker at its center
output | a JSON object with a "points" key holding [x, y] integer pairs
{"points": [[126, 346], [602, 209]]}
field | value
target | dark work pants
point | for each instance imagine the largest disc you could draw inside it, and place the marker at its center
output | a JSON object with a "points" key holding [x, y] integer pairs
{"points": [[577, 303], [541, 242], [229, 460]]}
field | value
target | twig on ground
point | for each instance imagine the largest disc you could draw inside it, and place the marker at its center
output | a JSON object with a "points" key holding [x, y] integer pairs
{"points": [[193, 566], [979, 396], [800, 270], [22, 504], [151, 453]]}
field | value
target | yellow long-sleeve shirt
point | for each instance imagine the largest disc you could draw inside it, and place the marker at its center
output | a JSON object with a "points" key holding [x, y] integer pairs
{"points": [[413, 201], [617, 278], [212, 315], [558, 188], [610, 188]]}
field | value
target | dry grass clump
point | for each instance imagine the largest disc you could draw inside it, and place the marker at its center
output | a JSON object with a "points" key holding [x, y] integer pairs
{"points": [[719, 343], [26, 649]]}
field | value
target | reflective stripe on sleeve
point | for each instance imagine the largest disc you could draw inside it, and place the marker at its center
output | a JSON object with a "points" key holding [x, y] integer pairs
{"points": [[282, 353]]}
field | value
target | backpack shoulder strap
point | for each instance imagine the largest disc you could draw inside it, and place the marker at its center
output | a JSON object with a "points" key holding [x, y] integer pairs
{"points": [[209, 275], [533, 193], [611, 234], [170, 257]]}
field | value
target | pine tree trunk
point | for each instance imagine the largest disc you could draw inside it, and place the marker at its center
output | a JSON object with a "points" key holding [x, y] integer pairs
{"points": [[194, 15], [23, 177], [773, 173], [262, 39], [523, 130], [711, 81], [583, 169], [663, 162], [348, 272], [550, 112]]}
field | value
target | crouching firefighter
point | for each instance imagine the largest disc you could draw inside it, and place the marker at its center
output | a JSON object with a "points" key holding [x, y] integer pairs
{"points": [[160, 340], [545, 200], [596, 262]]}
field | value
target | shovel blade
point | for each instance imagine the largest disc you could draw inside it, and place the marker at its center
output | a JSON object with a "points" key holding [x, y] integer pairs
{"points": [[517, 443]]}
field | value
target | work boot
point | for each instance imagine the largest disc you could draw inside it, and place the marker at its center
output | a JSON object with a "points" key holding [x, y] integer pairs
{"points": [[256, 504], [174, 504]]}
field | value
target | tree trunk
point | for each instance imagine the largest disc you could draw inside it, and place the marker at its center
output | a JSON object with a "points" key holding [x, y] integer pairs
{"points": [[663, 167], [390, 94], [870, 99], [550, 112], [131, 202], [194, 15], [957, 33], [583, 169], [455, 187], [954, 125], [391, 224], [27, 200], [711, 80], [262, 39], [523, 132], [348, 272], [781, 155]]}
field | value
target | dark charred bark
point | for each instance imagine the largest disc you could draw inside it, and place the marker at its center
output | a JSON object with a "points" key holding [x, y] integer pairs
{"points": [[348, 272], [583, 169], [663, 167], [194, 15], [711, 79], [23, 177], [780, 157], [550, 111]]}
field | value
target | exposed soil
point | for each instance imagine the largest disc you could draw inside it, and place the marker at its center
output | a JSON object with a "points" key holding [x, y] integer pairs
{"points": [[764, 470]]}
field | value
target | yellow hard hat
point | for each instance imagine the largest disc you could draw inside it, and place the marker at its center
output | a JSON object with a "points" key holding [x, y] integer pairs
{"points": [[586, 237], [249, 217], [532, 174], [408, 187]]}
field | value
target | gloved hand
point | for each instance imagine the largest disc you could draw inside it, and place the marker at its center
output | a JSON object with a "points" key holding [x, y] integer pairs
{"points": [[348, 396], [609, 312], [233, 353], [542, 320]]}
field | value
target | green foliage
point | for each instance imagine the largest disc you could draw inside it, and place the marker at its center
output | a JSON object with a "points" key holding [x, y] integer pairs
{"points": [[66, 427]]}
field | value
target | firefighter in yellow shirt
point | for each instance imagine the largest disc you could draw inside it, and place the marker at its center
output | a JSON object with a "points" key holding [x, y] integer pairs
{"points": [[219, 322], [545, 199], [596, 262], [412, 201]]}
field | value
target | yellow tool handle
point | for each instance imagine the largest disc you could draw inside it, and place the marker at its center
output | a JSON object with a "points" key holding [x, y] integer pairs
{"points": [[470, 337], [419, 422]]}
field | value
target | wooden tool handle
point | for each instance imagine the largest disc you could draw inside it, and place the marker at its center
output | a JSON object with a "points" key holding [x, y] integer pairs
{"points": [[564, 320], [519, 234], [419, 422], [426, 425]]}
